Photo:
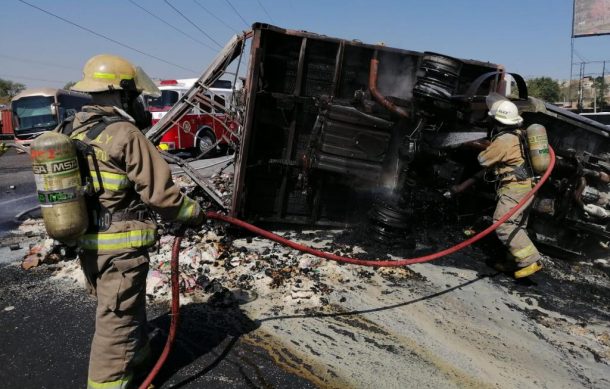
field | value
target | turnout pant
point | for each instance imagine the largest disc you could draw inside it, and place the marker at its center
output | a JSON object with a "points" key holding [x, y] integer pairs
{"points": [[513, 233], [120, 342]]}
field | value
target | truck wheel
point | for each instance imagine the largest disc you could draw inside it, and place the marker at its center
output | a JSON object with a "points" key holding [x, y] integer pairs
{"points": [[205, 142]]}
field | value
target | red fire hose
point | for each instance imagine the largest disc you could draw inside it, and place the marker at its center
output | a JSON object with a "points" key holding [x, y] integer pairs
{"points": [[175, 315], [362, 262], [389, 263]]}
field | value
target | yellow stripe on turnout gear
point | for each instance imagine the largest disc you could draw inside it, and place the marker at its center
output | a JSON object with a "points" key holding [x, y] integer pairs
{"points": [[118, 384], [521, 187], [524, 252], [111, 181], [518, 185], [118, 240], [188, 210]]}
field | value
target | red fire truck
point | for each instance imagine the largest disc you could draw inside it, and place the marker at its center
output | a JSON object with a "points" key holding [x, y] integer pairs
{"points": [[201, 129]]}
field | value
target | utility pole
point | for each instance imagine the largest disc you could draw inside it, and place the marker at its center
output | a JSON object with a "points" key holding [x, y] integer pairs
{"points": [[603, 91], [571, 55], [581, 76], [571, 70]]}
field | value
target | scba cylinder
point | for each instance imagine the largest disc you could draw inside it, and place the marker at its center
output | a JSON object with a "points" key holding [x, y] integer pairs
{"points": [[59, 186], [538, 148]]}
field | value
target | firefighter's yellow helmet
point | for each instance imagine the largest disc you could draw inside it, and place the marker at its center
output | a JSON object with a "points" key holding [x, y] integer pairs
{"points": [[106, 72]]}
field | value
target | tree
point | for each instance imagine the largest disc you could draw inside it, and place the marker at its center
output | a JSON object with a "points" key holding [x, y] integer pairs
{"points": [[544, 88], [69, 85], [8, 89]]}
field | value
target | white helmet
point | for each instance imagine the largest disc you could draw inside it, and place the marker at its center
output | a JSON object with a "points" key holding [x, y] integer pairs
{"points": [[506, 112]]}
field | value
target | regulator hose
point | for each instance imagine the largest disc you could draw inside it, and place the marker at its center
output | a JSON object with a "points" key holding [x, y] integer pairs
{"points": [[389, 263], [175, 312]]}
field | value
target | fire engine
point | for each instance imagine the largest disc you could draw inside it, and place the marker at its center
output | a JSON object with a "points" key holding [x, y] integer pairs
{"points": [[204, 127]]}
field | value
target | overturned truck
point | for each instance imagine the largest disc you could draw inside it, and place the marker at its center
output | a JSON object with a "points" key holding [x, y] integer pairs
{"points": [[336, 133]]}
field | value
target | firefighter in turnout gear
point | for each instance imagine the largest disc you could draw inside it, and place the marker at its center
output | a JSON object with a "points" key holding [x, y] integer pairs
{"points": [[507, 156], [130, 178]]}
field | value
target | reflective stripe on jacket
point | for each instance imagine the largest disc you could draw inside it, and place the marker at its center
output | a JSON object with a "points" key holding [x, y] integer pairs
{"points": [[109, 241], [110, 181], [516, 186]]}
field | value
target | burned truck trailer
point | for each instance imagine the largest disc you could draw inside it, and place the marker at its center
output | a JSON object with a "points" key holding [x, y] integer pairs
{"points": [[329, 120], [338, 132], [335, 132]]}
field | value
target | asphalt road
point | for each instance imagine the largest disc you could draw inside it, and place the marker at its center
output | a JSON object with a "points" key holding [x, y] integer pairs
{"points": [[17, 188], [46, 330]]}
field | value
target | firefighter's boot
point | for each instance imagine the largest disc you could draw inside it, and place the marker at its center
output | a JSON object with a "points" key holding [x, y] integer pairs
{"points": [[528, 270]]}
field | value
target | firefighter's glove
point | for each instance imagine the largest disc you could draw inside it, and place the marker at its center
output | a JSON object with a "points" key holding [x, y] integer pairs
{"points": [[198, 221]]}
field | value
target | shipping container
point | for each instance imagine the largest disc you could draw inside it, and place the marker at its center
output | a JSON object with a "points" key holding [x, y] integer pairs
{"points": [[6, 122]]}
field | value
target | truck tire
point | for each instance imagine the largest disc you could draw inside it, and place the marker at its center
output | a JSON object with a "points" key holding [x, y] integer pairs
{"points": [[205, 141]]}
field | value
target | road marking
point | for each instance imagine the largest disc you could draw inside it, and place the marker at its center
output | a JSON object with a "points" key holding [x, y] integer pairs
{"points": [[18, 199]]}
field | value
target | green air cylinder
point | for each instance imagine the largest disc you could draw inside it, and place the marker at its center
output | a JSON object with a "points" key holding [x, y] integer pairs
{"points": [[538, 148], [59, 186]]}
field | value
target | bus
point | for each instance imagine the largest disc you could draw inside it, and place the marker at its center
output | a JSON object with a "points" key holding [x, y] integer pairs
{"points": [[35, 111]]}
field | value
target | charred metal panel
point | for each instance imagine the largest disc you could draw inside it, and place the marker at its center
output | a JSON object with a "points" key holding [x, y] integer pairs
{"points": [[351, 142], [581, 177], [567, 130], [315, 145]]}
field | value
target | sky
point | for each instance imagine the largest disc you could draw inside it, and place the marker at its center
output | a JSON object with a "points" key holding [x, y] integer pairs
{"points": [[529, 37]]}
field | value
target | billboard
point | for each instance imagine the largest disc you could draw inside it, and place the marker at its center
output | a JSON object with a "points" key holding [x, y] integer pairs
{"points": [[591, 17]]}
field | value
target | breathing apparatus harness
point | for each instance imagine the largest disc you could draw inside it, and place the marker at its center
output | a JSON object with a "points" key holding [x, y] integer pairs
{"points": [[100, 218], [521, 172]]}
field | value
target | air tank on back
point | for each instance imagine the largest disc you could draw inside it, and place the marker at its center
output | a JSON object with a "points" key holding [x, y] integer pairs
{"points": [[538, 148], [59, 186]]}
